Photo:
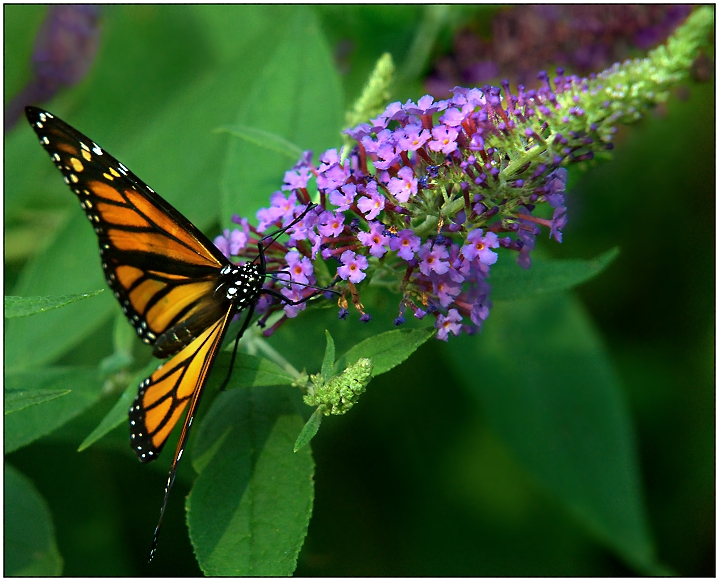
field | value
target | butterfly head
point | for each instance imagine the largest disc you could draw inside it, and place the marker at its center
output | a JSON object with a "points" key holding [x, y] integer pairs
{"points": [[240, 283]]}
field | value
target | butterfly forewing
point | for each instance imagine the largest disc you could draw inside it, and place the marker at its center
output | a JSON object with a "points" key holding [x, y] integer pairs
{"points": [[159, 266]]}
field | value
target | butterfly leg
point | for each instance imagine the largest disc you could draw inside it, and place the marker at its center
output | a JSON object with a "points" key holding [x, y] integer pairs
{"points": [[245, 323]]}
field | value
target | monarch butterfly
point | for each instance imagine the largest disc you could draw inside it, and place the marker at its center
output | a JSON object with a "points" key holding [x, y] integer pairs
{"points": [[175, 287]]}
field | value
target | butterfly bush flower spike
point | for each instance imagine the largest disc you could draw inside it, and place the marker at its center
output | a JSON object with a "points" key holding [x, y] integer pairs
{"points": [[425, 198]]}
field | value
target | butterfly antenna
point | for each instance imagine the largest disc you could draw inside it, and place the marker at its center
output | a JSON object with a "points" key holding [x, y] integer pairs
{"points": [[277, 233], [290, 282], [284, 299]]}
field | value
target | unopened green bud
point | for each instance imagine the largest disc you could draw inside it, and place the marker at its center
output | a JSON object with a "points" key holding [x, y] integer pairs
{"points": [[340, 393], [375, 94]]}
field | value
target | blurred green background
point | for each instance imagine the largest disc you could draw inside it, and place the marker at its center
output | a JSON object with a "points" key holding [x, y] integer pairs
{"points": [[428, 475]]}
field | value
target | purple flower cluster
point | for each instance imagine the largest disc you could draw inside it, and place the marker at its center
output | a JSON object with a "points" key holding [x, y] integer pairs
{"points": [[421, 200]]}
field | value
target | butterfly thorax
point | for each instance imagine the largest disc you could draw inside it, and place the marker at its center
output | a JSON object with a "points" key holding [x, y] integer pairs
{"points": [[240, 283]]}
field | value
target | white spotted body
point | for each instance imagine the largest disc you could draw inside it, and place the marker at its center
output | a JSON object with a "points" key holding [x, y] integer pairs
{"points": [[240, 284]]}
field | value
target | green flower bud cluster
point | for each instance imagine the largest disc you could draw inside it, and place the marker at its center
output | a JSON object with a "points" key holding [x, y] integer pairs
{"points": [[340, 393], [622, 92]]}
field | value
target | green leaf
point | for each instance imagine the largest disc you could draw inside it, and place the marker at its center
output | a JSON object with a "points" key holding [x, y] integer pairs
{"points": [[68, 264], [124, 337], [118, 414], [24, 306], [23, 398], [510, 282], [31, 423], [30, 547], [309, 430], [250, 506], [129, 34], [386, 350], [258, 22], [329, 358], [434, 21], [248, 371], [298, 97], [547, 387], [264, 140], [116, 362]]}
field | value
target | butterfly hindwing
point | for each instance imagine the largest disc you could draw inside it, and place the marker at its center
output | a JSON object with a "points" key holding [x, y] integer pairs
{"points": [[163, 397], [160, 267]]}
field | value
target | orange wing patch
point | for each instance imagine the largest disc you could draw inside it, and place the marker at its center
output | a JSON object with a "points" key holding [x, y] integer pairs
{"points": [[159, 437], [67, 148], [154, 243], [127, 275], [141, 295], [164, 311], [162, 220], [121, 216], [164, 395], [102, 190]]}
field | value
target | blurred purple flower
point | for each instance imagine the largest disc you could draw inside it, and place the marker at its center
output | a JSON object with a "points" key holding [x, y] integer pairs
{"points": [[64, 50]]}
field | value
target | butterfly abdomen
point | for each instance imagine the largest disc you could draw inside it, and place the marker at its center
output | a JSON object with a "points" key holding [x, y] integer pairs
{"points": [[205, 313]]}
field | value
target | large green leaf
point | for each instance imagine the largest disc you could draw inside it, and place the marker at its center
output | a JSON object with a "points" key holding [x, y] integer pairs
{"points": [[29, 424], [129, 35], [549, 390], [118, 414], [259, 24], [25, 306], [34, 341], [386, 350], [264, 140], [20, 24], [509, 281], [297, 98], [250, 506], [16, 400], [248, 371], [30, 547]]}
